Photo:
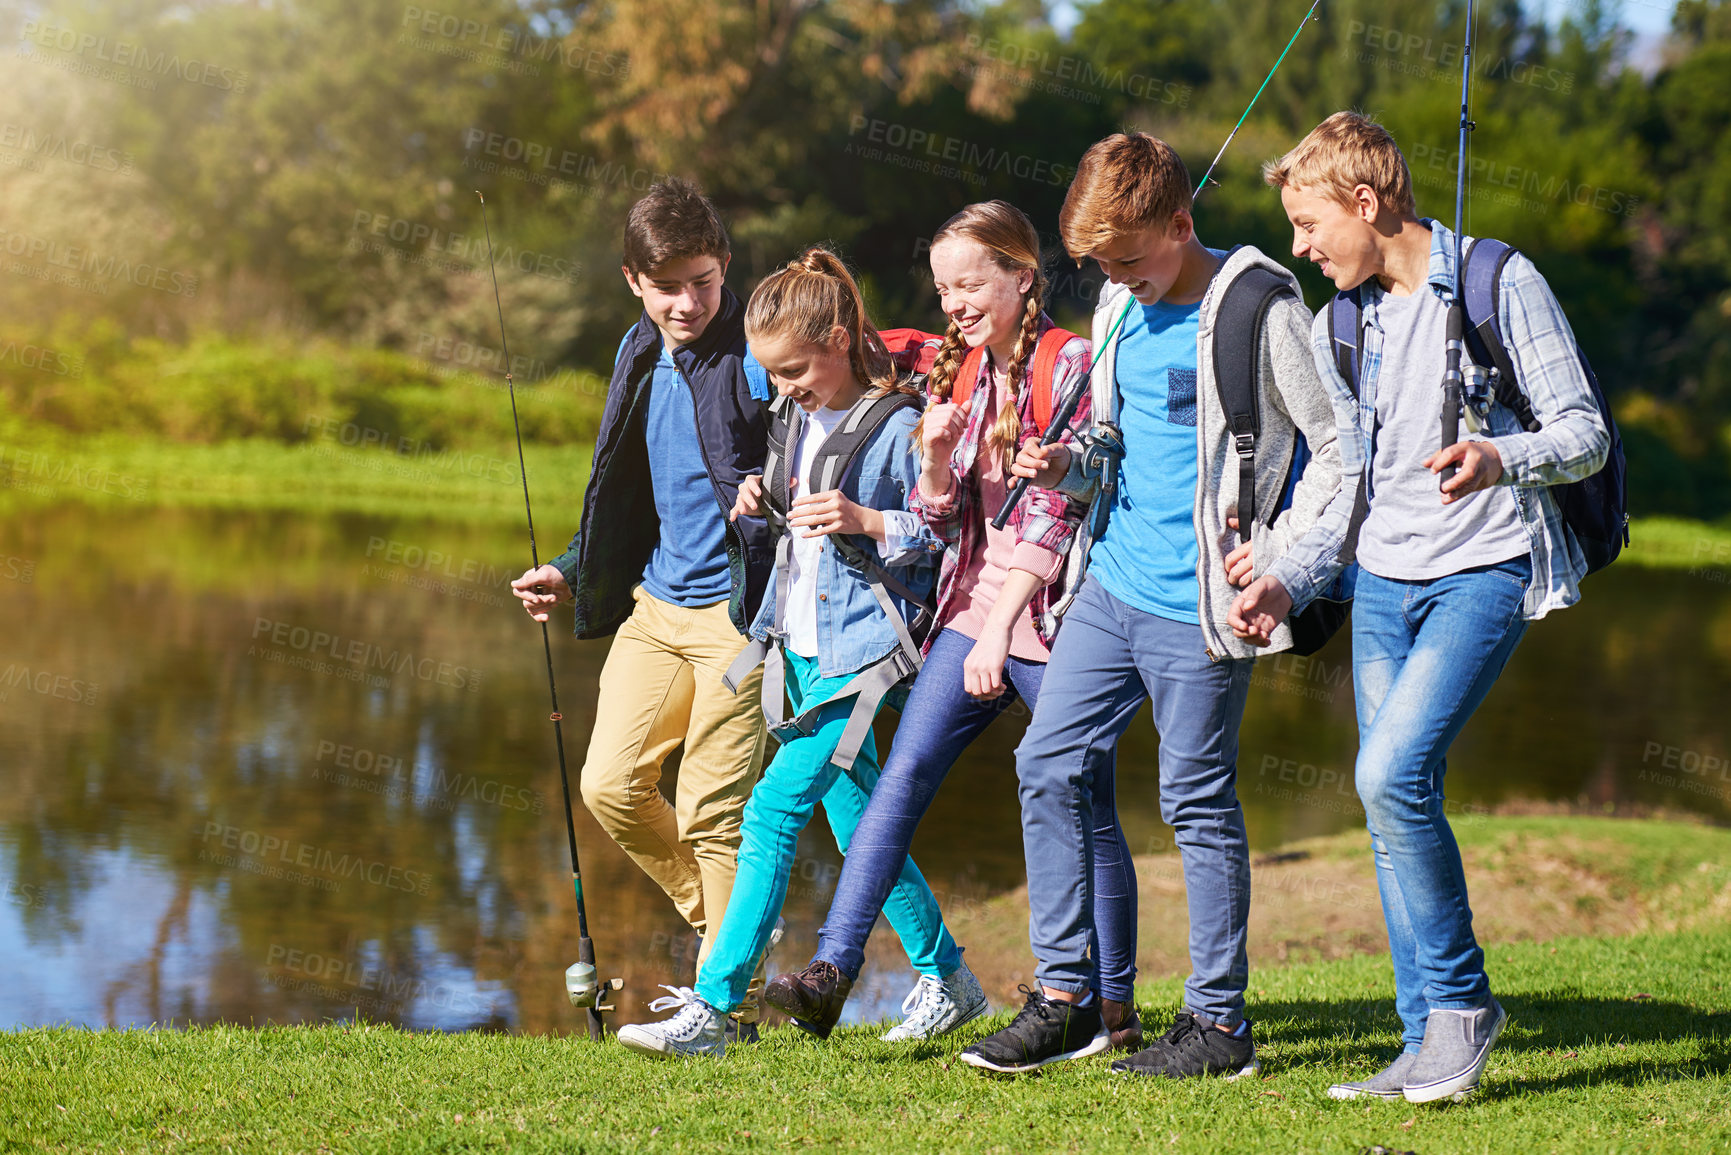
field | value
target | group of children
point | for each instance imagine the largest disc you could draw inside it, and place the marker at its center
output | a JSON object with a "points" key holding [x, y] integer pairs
{"points": [[833, 547]]}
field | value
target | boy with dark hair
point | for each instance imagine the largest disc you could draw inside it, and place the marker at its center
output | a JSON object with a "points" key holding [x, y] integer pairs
{"points": [[1164, 553], [1447, 580], [656, 559]]}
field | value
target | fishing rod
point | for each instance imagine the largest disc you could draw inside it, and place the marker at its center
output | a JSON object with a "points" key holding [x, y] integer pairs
{"points": [[1455, 330], [1061, 418], [582, 984]]}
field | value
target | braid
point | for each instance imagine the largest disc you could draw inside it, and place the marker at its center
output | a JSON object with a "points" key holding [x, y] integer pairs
{"points": [[941, 381], [1006, 432]]}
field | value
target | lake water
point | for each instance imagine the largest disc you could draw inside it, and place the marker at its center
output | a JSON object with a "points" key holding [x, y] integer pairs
{"points": [[282, 768]]}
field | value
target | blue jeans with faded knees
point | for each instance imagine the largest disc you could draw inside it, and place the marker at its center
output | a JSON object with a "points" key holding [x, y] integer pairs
{"points": [[1424, 655]]}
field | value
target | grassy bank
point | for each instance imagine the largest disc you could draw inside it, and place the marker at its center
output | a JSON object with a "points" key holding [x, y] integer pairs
{"points": [[1617, 1042]]}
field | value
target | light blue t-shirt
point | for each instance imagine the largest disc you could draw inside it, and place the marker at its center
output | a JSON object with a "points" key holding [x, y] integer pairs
{"points": [[689, 566], [1147, 558]]}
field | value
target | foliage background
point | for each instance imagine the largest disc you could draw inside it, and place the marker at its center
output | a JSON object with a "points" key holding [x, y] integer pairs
{"points": [[292, 217]]}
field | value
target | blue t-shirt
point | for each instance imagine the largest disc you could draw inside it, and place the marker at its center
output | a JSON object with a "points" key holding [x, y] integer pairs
{"points": [[1147, 558], [689, 566]]}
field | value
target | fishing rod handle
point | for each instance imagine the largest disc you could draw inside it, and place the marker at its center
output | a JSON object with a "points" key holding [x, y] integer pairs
{"points": [[1060, 422]]}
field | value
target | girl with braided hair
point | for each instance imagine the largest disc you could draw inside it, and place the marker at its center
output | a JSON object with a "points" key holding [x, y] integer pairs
{"points": [[994, 621], [822, 624]]}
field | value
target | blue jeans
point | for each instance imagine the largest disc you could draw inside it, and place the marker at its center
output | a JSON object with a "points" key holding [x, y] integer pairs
{"points": [[1424, 655], [939, 721], [780, 806], [1108, 660]]}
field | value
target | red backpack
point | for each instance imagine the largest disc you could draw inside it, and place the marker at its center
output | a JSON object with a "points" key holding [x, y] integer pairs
{"points": [[914, 351]]}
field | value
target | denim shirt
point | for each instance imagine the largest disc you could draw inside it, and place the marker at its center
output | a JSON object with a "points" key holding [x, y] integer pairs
{"points": [[1572, 443], [852, 631]]}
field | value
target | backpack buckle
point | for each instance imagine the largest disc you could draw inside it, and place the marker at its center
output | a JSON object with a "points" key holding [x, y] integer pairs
{"points": [[1246, 443]]}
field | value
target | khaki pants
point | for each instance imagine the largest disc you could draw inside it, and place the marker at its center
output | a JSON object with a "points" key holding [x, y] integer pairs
{"points": [[660, 687]]}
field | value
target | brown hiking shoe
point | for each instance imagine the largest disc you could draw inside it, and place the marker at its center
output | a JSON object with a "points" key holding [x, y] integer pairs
{"points": [[1123, 1025], [813, 997]]}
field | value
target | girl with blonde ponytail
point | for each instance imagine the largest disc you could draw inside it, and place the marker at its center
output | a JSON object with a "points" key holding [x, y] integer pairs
{"points": [[994, 630], [823, 626]]}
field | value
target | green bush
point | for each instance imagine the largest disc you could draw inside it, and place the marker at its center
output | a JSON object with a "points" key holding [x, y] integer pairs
{"points": [[215, 389]]}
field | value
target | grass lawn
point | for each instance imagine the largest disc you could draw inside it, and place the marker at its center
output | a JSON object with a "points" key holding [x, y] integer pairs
{"points": [[1615, 1043]]}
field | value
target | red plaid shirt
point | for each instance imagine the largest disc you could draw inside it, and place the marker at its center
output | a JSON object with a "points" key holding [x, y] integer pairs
{"points": [[1044, 521]]}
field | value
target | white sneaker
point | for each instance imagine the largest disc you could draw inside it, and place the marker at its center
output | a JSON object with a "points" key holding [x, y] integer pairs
{"points": [[938, 1006], [698, 1028]]}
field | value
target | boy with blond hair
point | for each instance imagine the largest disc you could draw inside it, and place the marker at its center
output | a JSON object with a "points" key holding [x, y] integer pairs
{"points": [[1449, 574], [1164, 553]]}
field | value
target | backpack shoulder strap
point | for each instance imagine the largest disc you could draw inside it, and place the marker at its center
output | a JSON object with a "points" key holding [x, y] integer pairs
{"points": [[1346, 331], [836, 456], [1045, 368], [1238, 325], [1481, 286], [962, 387], [786, 419]]}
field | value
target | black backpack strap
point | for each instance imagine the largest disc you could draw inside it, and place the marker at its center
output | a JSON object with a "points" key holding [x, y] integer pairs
{"points": [[1482, 288], [1238, 325], [1346, 332], [786, 420]]}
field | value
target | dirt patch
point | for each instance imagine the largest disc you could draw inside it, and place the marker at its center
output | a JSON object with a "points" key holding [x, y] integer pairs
{"points": [[1318, 900]]}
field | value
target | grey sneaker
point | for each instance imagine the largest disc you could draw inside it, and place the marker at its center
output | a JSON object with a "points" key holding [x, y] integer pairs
{"points": [[698, 1028], [938, 1006], [1456, 1046], [1388, 1083]]}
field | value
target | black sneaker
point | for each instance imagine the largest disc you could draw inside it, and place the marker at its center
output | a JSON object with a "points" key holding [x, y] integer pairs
{"points": [[736, 1032], [1044, 1031], [812, 998], [1193, 1047]]}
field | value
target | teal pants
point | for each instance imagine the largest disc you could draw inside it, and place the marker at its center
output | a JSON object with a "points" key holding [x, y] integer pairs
{"points": [[781, 804]]}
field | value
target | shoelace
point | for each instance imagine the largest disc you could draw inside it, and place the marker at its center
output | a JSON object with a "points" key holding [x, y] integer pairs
{"points": [[927, 997], [1185, 1027], [1037, 1006], [684, 998]]}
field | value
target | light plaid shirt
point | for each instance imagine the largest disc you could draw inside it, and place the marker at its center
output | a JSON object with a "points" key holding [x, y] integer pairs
{"points": [[1043, 522], [1571, 444]]}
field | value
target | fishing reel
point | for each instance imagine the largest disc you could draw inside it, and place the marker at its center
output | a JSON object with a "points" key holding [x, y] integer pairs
{"points": [[585, 988], [1478, 389]]}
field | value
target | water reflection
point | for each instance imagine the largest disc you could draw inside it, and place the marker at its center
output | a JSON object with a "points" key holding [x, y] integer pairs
{"points": [[263, 767]]}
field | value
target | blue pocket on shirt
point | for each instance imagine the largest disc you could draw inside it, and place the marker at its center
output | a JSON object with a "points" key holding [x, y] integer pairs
{"points": [[1181, 396]]}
